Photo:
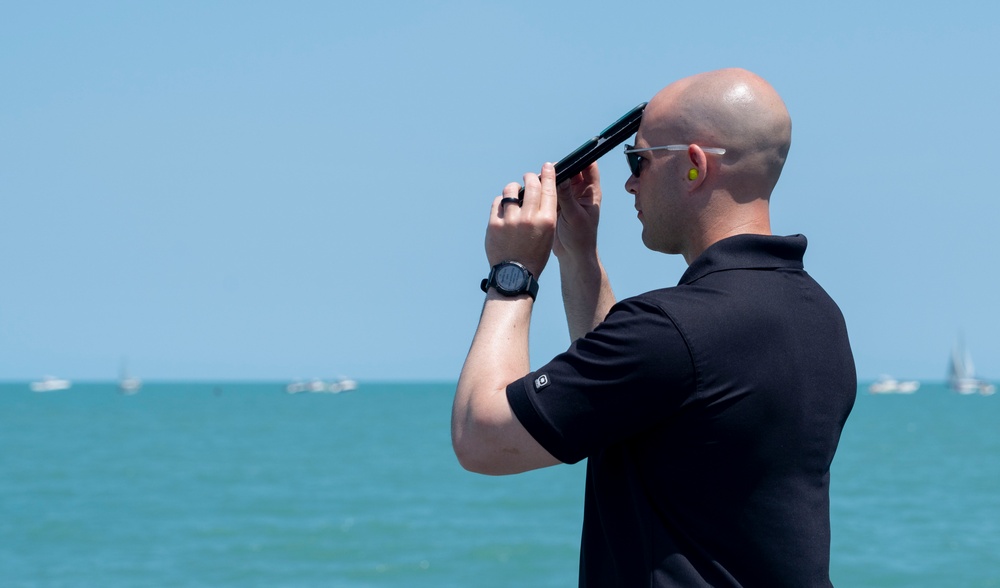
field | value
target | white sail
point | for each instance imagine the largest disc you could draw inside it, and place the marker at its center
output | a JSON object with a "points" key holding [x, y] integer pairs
{"points": [[962, 373]]}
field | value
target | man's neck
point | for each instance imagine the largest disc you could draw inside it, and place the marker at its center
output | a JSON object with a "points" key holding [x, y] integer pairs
{"points": [[707, 238]]}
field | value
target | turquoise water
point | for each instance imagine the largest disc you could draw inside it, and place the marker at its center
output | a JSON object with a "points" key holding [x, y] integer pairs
{"points": [[242, 485]]}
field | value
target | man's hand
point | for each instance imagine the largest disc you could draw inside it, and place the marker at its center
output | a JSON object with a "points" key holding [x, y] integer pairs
{"points": [[579, 213], [524, 233]]}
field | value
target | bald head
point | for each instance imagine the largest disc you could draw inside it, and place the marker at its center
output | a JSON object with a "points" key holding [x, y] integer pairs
{"points": [[729, 108]]}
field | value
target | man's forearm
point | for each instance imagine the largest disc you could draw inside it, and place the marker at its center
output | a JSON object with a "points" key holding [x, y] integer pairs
{"points": [[587, 294]]}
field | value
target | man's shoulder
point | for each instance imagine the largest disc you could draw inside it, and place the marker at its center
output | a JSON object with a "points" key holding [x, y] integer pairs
{"points": [[744, 295], [658, 300], [667, 298]]}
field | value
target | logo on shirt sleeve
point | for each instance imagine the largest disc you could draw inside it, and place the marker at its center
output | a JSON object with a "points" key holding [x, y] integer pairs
{"points": [[541, 382]]}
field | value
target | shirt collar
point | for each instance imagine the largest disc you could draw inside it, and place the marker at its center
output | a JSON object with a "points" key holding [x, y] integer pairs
{"points": [[747, 252]]}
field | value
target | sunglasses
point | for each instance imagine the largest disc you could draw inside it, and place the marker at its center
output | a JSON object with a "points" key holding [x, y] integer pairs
{"points": [[635, 160]]}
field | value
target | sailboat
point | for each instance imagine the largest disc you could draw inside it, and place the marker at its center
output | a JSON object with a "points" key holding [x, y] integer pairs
{"points": [[128, 384], [962, 373]]}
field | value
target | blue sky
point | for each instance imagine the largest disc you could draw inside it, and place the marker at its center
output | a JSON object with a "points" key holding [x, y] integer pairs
{"points": [[253, 190]]}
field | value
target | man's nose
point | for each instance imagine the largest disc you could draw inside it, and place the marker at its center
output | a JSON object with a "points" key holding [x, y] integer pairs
{"points": [[631, 184]]}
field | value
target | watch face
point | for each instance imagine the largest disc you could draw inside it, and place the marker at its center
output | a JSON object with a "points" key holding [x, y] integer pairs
{"points": [[511, 278]]}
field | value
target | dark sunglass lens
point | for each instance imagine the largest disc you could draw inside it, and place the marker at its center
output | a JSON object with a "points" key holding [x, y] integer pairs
{"points": [[634, 163]]}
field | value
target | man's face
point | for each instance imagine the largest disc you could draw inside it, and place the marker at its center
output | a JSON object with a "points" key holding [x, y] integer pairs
{"points": [[659, 195]]}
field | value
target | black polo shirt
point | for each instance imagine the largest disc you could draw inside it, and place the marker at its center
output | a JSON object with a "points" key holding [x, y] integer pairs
{"points": [[709, 413]]}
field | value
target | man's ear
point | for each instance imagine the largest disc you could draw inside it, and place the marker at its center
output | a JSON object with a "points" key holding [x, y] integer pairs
{"points": [[698, 170]]}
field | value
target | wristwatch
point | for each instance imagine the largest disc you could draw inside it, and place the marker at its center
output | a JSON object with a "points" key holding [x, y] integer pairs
{"points": [[510, 278]]}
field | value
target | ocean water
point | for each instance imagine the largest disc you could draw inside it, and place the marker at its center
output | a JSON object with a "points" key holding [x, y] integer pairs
{"points": [[241, 485]]}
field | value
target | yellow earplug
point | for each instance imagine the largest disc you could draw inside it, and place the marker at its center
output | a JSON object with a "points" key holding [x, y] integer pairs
{"points": [[693, 174]]}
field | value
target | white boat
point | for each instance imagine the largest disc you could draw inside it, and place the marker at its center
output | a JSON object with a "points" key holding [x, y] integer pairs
{"points": [[962, 373], [50, 384], [889, 385], [342, 385], [128, 384], [318, 386], [299, 386]]}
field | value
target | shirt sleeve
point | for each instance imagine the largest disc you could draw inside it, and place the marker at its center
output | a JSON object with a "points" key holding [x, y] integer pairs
{"points": [[630, 373]]}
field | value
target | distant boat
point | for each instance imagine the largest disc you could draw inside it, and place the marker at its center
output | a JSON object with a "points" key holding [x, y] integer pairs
{"points": [[962, 373], [318, 386], [344, 385], [889, 385], [50, 384], [128, 384]]}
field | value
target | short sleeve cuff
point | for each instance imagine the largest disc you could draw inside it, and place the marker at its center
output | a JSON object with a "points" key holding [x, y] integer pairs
{"points": [[519, 398]]}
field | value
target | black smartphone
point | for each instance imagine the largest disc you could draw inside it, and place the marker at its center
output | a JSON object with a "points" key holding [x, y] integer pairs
{"points": [[592, 150]]}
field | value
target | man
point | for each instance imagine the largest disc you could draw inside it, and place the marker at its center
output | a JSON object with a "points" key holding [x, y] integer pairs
{"points": [[710, 411]]}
